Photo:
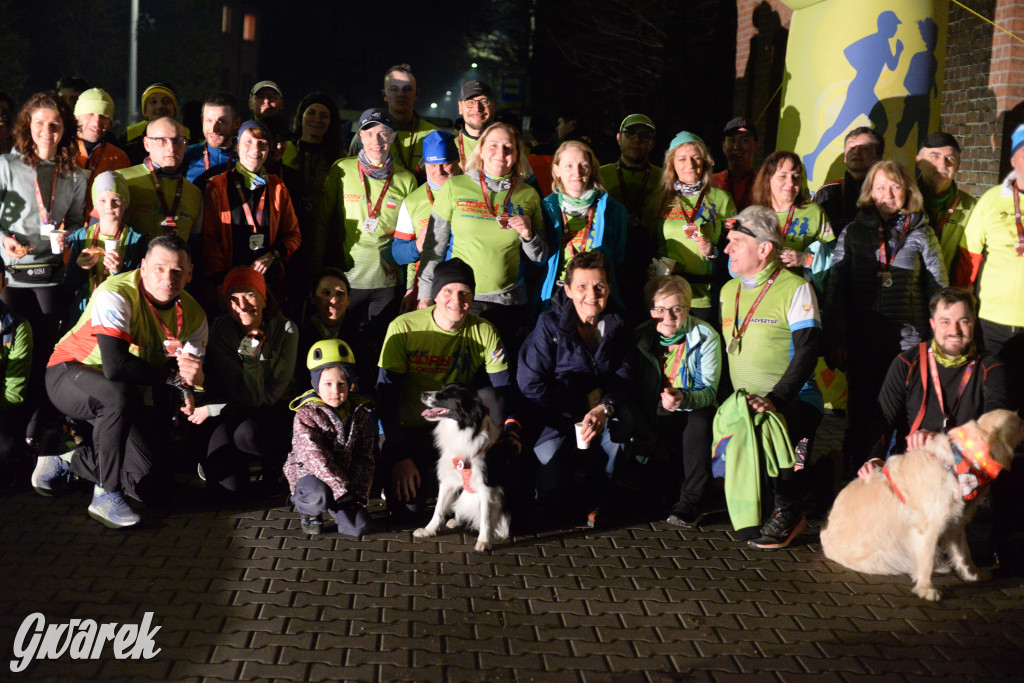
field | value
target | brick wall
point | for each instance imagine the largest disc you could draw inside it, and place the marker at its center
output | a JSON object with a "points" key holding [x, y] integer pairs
{"points": [[761, 31]]}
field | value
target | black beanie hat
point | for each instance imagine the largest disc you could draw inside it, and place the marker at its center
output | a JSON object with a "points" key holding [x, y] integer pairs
{"points": [[453, 270]]}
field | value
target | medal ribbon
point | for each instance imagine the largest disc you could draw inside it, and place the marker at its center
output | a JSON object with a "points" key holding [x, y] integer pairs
{"points": [[179, 318], [633, 204], [462, 150], [691, 219], [254, 224], [789, 220], [737, 334], [171, 212], [884, 257], [567, 238], [677, 361], [44, 215], [487, 199], [934, 372], [373, 211]]}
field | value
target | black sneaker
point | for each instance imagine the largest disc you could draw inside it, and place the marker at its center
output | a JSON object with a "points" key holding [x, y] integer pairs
{"points": [[685, 520], [780, 530], [311, 524]]}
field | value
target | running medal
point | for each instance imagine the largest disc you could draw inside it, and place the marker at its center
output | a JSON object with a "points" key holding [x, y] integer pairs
{"points": [[370, 225], [169, 226], [886, 278], [502, 221], [734, 347], [256, 242]]}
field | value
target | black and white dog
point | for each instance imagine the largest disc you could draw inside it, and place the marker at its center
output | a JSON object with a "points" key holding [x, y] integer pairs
{"points": [[463, 434]]}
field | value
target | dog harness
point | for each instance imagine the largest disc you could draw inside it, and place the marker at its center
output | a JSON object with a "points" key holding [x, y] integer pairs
{"points": [[973, 466], [464, 468]]}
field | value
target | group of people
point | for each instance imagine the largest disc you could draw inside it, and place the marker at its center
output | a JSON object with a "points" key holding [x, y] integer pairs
{"points": [[662, 320]]}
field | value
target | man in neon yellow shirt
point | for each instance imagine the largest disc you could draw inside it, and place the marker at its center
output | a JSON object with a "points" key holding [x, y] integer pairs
{"points": [[425, 350], [355, 228], [140, 335], [948, 207], [771, 325], [633, 177], [163, 201]]}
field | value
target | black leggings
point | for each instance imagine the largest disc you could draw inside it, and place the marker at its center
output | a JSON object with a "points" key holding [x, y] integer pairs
{"points": [[46, 309], [262, 434]]}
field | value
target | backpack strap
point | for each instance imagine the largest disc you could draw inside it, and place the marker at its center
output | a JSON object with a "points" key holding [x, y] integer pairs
{"points": [[921, 360]]}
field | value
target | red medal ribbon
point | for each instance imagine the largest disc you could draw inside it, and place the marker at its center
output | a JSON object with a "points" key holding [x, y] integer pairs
{"points": [[430, 196], [789, 220], [487, 200], [44, 214], [934, 372], [750, 314], [691, 219], [254, 224], [567, 238], [634, 204], [206, 157], [462, 150], [375, 209], [171, 212], [884, 257], [179, 318]]}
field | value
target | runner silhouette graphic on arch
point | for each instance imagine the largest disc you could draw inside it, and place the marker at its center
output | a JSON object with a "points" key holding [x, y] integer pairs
{"points": [[920, 83], [868, 56]]}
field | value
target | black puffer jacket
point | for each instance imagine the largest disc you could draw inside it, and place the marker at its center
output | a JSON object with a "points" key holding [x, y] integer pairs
{"points": [[860, 313]]}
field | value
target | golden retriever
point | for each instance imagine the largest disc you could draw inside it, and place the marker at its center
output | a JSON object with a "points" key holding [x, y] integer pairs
{"points": [[871, 530]]}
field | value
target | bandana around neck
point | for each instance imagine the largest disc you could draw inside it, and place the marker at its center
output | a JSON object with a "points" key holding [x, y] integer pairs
{"points": [[374, 171], [577, 206], [252, 180], [687, 190]]}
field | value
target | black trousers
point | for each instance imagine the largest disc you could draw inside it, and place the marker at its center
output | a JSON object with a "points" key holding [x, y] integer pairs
{"points": [[369, 313], [262, 434], [126, 436]]}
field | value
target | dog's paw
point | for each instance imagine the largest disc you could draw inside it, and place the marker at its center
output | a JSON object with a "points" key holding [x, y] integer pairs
{"points": [[973, 575], [482, 546], [930, 594], [422, 533], [452, 523]]}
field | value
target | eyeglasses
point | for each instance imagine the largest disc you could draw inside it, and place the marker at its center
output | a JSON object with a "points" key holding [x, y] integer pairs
{"points": [[165, 142], [641, 135], [674, 311], [482, 102]]}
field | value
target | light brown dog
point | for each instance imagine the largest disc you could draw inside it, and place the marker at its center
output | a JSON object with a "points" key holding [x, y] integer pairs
{"points": [[896, 521]]}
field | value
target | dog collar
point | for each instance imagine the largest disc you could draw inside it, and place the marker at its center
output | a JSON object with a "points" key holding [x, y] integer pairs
{"points": [[973, 465], [466, 470]]}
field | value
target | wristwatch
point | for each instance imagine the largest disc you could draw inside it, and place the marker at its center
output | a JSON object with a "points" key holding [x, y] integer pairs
{"points": [[609, 411]]}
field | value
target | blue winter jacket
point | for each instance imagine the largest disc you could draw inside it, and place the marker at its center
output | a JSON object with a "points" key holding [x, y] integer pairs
{"points": [[609, 237], [557, 372]]}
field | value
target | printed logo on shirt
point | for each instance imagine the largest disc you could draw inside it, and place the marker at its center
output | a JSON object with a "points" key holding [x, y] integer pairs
{"points": [[498, 355], [765, 321], [429, 364]]}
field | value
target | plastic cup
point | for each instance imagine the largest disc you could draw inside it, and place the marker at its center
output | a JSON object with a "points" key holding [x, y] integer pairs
{"points": [[663, 266], [580, 443], [110, 245], [55, 241]]}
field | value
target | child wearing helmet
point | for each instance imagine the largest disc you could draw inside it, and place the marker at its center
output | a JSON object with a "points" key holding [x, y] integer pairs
{"points": [[334, 444]]}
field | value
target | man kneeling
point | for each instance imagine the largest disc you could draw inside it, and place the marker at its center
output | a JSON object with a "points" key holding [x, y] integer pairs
{"points": [[141, 332]]}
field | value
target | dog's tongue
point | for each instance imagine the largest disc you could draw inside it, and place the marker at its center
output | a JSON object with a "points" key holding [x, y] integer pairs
{"points": [[434, 412]]}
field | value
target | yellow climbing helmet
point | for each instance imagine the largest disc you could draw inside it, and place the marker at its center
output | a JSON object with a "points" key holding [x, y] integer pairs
{"points": [[329, 352]]}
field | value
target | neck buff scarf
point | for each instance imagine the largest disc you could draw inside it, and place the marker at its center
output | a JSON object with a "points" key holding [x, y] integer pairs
{"points": [[687, 190], [580, 206], [252, 180], [374, 171], [954, 362]]}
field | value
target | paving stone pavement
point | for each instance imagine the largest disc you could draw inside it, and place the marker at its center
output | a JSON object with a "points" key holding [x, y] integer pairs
{"points": [[244, 595]]}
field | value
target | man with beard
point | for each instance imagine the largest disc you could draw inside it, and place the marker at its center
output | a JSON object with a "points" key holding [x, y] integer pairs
{"points": [[476, 107]]}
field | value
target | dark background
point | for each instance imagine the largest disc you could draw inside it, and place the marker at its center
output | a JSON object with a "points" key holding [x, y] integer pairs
{"points": [[674, 61]]}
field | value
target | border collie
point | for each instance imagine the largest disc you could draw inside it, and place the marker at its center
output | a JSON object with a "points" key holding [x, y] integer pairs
{"points": [[463, 434]]}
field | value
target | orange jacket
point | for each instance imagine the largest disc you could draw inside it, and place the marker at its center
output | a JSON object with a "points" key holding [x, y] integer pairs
{"points": [[284, 236], [106, 157]]}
